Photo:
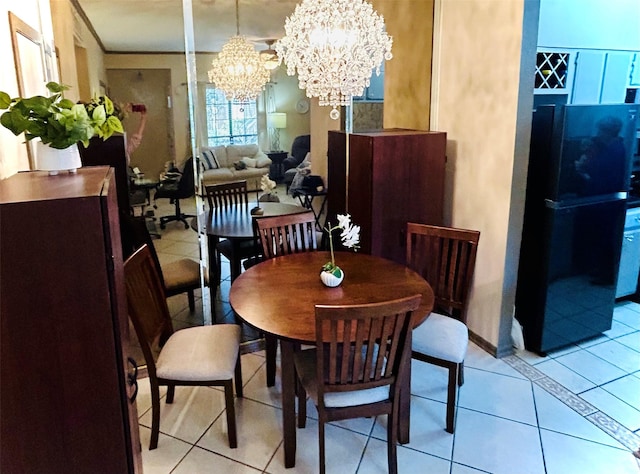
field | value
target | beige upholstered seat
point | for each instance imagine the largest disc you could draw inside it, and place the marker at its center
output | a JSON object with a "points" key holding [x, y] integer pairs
{"points": [[446, 258], [442, 337], [201, 355], [179, 276]]}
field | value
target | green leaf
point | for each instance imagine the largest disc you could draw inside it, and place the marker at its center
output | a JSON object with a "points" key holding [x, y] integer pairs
{"points": [[14, 121], [115, 124], [65, 104], [56, 88], [5, 100]]}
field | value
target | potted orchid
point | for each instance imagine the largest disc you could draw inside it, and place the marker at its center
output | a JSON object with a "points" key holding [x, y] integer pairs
{"points": [[268, 185], [331, 274], [59, 124]]}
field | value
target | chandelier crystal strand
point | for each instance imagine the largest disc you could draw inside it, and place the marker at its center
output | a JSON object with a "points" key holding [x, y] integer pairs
{"points": [[239, 70], [333, 46]]}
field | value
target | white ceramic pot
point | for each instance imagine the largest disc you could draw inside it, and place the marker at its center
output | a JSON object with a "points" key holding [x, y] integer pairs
{"points": [[54, 160], [330, 280]]}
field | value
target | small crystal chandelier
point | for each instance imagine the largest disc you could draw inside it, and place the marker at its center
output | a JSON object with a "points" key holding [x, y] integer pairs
{"points": [[239, 70], [271, 60], [334, 45]]}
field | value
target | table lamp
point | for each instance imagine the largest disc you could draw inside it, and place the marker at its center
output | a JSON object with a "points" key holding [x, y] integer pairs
{"points": [[277, 120]]}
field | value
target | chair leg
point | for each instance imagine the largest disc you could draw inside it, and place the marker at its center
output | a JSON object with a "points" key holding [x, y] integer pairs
{"points": [[192, 300], [451, 397], [238, 378], [171, 390], [461, 374], [302, 405], [155, 414], [392, 440], [321, 445], [231, 414], [271, 349]]}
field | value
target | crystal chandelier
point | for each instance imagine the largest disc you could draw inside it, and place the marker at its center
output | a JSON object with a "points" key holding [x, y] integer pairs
{"points": [[239, 70], [333, 46], [271, 60]]}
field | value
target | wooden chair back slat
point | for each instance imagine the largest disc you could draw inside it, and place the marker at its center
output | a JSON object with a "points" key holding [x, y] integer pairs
{"points": [[446, 258], [222, 196], [283, 235], [362, 346]]}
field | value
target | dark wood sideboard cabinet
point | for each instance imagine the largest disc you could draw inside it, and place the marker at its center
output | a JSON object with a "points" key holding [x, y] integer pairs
{"points": [[112, 152], [393, 176], [65, 389]]}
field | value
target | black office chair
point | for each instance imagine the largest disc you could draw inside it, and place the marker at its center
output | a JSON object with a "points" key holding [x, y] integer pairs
{"points": [[184, 188]]}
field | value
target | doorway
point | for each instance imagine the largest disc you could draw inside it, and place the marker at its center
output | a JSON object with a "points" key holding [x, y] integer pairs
{"points": [[150, 87]]}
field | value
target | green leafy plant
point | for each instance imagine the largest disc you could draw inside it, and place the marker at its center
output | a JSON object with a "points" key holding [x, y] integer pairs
{"points": [[350, 237], [57, 121]]}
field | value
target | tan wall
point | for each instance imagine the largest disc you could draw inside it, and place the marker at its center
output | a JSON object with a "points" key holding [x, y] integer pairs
{"points": [[407, 79], [476, 77], [179, 98], [62, 13], [287, 93]]}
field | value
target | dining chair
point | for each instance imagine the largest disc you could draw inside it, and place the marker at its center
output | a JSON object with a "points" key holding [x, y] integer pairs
{"points": [[446, 258], [283, 235], [196, 356], [179, 276], [222, 196], [355, 370]]}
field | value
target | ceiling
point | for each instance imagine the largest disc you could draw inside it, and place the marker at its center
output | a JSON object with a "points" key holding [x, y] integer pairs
{"points": [[157, 25]]}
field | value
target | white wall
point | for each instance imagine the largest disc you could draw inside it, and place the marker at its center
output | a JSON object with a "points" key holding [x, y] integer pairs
{"points": [[586, 24], [13, 154]]}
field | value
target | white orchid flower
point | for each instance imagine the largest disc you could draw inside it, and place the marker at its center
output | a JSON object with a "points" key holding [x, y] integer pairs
{"points": [[351, 236], [344, 220], [266, 184]]}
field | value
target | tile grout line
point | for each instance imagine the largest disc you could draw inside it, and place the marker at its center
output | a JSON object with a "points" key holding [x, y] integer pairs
{"points": [[617, 431]]}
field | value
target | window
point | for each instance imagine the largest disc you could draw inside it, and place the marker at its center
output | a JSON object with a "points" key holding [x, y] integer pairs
{"points": [[230, 122]]}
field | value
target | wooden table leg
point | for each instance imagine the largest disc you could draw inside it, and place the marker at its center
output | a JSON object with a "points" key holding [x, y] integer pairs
{"points": [[405, 400], [236, 263], [212, 242], [288, 403]]}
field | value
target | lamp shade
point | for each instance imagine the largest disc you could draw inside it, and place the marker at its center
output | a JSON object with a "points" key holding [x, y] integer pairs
{"points": [[278, 119]]}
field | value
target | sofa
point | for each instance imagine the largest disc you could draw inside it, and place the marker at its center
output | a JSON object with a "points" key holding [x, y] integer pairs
{"points": [[224, 164]]}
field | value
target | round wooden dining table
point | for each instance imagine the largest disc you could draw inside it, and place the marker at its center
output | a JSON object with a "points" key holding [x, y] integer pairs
{"points": [[278, 296]]}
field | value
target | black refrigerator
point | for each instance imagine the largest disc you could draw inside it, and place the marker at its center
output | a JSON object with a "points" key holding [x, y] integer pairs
{"points": [[576, 200]]}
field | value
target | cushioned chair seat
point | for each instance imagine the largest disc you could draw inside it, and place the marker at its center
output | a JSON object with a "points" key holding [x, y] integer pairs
{"points": [[180, 273], [306, 367], [441, 337], [200, 353]]}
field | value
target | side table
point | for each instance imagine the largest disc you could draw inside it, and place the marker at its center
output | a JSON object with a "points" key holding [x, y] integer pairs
{"points": [[276, 172]]}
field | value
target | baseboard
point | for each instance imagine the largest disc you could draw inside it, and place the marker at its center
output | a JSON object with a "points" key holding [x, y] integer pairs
{"points": [[488, 347]]}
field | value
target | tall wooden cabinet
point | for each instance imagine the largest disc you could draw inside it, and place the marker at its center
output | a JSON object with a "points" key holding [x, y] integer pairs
{"points": [[388, 178], [65, 397]]}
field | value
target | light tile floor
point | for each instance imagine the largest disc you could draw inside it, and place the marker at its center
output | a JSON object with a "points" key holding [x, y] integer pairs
{"points": [[575, 411]]}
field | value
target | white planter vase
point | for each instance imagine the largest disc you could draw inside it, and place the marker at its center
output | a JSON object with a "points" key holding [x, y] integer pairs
{"points": [[54, 160], [330, 280]]}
